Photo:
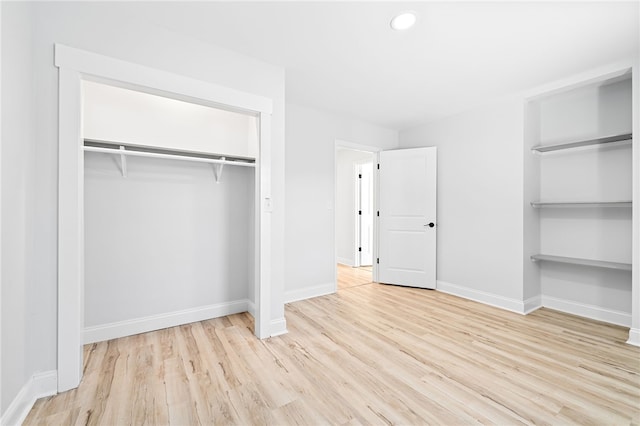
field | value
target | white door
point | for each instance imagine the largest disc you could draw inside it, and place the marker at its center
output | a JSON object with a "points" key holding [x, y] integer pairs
{"points": [[365, 214], [407, 206]]}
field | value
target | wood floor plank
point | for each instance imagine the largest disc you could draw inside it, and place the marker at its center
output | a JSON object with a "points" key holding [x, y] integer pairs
{"points": [[369, 354], [353, 277]]}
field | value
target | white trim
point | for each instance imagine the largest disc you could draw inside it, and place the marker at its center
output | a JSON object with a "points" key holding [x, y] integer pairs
{"points": [[355, 208], [587, 311], [264, 203], [533, 303], [634, 333], [634, 337], [186, 88], [586, 78], [536, 302], [130, 327], [357, 146], [70, 230], [38, 386], [279, 327], [76, 65], [502, 302], [309, 292], [251, 308]]}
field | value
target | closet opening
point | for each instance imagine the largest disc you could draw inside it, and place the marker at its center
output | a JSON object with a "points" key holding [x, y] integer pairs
{"points": [[137, 208], [169, 239]]}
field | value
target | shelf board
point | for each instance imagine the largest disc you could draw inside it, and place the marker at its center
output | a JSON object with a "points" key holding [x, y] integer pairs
{"points": [[141, 150], [578, 144], [561, 204], [583, 262]]}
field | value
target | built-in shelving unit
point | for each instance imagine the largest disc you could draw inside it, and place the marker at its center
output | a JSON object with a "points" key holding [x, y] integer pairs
{"points": [[582, 143], [578, 228], [583, 262], [570, 204]]}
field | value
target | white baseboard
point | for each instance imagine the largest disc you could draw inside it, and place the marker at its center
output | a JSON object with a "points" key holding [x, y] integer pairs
{"points": [[634, 337], [38, 386], [536, 302], [251, 308], [158, 322], [533, 303], [587, 311], [279, 327], [502, 302], [309, 292], [345, 261]]}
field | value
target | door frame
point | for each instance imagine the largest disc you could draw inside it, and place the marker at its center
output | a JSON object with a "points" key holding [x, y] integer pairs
{"points": [[356, 205], [340, 143], [357, 170], [77, 65]]}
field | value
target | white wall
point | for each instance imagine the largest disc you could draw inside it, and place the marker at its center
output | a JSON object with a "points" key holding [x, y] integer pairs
{"points": [[592, 111], [164, 239], [104, 28], [310, 156], [120, 115], [480, 177], [18, 200]]}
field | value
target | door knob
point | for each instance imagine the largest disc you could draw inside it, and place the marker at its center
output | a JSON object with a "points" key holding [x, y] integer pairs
{"points": [[431, 225]]}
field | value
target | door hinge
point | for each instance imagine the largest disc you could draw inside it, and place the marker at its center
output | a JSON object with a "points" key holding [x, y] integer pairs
{"points": [[378, 166], [360, 212], [378, 260], [360, 176], [378, 213], [359, 248]]}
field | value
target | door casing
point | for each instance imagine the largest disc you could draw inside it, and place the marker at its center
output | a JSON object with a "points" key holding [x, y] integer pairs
{"points": [[76, 65]]}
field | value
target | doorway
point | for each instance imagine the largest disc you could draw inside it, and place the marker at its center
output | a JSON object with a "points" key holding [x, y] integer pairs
{"points": [[354, 215]]}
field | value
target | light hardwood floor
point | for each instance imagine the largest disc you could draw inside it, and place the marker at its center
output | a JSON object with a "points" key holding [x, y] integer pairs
{"points": [[351, 277], [369, 354]]}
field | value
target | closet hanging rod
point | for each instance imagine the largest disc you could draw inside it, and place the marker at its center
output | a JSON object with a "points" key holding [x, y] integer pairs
{"points": [[177, 156]]}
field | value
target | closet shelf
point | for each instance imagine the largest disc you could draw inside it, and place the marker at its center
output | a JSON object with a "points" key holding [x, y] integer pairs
{"points": [[564, 204], [137, 151], [583, 262], [581, 143]]}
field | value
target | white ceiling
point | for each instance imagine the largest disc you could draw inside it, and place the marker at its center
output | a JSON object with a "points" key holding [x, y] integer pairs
{"points": [[343, 57]]}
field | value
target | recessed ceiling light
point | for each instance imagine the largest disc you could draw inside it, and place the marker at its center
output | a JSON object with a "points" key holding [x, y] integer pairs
{"points": [[403, 21]]}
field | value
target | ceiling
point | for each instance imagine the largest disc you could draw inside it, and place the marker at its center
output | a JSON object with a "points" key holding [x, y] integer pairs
{"points": [[343, 56]]}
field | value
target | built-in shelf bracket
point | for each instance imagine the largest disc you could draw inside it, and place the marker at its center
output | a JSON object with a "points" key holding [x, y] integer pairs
{"points": [[123, 162], [587, 142], [583, 262], [217, 170]]}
